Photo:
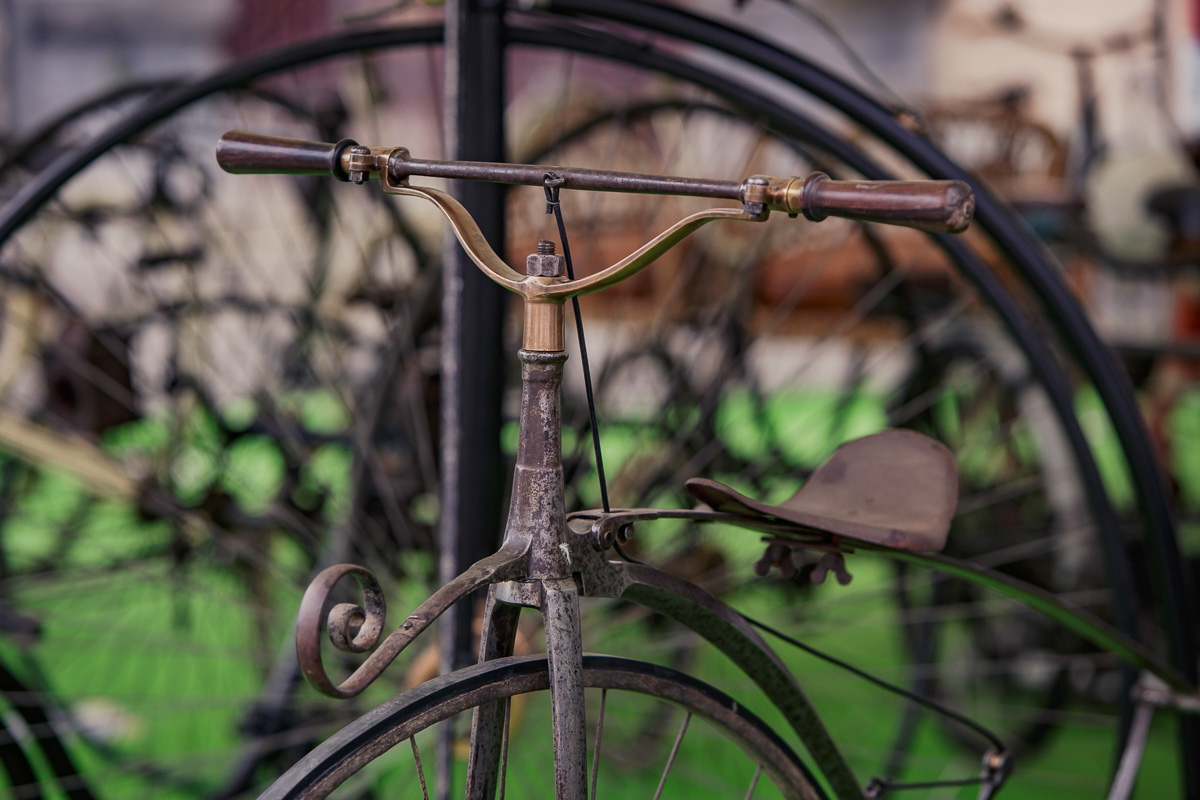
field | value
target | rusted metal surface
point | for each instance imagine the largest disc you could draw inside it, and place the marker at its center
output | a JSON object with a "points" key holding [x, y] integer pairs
{"points": [[487, 724], [536, 517], [545, 263], [546, 563], [500, 566], [564, 649], [945, 206], [541, 551], [535, 548], [729, 632], [725, 629], [542, 557], [596, 530], [897, 488], [930, 205]]}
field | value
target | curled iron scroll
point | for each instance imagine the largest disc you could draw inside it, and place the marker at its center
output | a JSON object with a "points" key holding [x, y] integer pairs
{"points": [[343, 618], [368, 618]]}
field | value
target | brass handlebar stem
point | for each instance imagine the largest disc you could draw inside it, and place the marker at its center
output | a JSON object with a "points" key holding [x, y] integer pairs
{"points": [[944, 206], [544, 296]]}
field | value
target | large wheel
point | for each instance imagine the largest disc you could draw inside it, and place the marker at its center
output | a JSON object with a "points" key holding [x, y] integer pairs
{"points": [[260, 354], [719, 747], [72, 127]]}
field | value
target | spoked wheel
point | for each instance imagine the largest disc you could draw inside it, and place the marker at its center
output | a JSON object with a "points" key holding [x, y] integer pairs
{"points": [[264, 349], [718, 747]]}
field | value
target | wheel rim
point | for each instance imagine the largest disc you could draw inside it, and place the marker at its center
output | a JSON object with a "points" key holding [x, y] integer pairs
{"points": [[399, 719]]}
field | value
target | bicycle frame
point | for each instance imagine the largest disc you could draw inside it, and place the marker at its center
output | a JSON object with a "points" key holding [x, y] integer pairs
{"points": [[545, 564]]}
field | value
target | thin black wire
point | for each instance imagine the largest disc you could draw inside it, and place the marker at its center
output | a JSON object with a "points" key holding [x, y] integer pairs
{"points": [[552, 183], [932, 705], [878, 787], [900, 690], [881, 784]]}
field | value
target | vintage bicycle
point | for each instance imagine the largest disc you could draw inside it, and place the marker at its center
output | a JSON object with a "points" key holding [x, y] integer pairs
{"points": [[272, 433], [893, 492]]}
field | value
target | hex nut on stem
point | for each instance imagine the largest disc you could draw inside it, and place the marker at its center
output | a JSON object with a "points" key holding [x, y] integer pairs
{"points": [[544, 263]]}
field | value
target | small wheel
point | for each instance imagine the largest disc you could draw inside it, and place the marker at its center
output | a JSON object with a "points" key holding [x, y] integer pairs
{"points": [[720, 748]]}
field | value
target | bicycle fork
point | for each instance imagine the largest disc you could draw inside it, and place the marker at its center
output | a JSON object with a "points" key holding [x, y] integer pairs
{"points": [[537, 523]]}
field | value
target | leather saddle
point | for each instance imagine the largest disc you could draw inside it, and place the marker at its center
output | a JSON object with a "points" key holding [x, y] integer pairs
{"points": [[898, 489]]}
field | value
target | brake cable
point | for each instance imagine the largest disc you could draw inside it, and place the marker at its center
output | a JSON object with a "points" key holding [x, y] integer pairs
{"points": [[552, 183]]}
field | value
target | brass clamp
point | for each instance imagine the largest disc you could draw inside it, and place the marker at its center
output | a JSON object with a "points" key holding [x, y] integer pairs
{"points": [[362, 163]]}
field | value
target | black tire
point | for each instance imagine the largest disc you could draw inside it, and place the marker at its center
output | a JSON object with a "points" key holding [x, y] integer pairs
{"points": [[374, 734]]}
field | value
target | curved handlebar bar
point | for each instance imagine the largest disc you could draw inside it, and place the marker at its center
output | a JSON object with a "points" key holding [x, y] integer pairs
{"points": [[938, 206]]}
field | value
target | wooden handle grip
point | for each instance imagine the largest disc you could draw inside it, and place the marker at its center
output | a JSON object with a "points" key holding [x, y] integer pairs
{"points": [[940, 206], [244, 152]]}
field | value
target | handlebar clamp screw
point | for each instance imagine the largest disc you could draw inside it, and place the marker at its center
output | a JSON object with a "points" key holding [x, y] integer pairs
{"points": [[544, 263], [358, 176]]}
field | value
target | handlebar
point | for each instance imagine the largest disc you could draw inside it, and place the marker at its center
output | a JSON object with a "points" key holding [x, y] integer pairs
{"points": [[249, 153], [937, 206]]}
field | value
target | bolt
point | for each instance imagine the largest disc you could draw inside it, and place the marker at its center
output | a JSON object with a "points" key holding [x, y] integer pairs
{"points": [[357, 175], [544, 263]]}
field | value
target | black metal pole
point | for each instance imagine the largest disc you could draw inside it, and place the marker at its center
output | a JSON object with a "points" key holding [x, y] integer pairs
{"points": [[472, 381]]}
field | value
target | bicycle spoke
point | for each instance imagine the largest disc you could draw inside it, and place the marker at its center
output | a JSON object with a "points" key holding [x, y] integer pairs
{"points": [[504, 746], [754, 782], [421, 772], [674, 752], [596, 745]]}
